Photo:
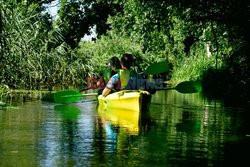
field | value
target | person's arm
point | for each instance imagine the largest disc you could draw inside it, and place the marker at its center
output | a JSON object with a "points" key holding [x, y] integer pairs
{"points": [[110, 85], [106, 92]]}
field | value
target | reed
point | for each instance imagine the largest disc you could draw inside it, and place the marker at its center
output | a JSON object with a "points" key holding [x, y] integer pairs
{"points": [[27, 59]]}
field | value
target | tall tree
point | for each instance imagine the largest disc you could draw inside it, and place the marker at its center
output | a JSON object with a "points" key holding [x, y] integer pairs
{"points": [[76, 18]]}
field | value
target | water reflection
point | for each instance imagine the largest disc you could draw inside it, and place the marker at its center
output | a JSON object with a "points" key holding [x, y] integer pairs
{"points": [[125, 119], [19, 134], [117, 133], [188, 123], [68, 113], [177, 130], [69, 129], [68, 135]]}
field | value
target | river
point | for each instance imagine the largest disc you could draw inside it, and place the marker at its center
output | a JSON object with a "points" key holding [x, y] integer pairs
{"points": [[177, 130]]}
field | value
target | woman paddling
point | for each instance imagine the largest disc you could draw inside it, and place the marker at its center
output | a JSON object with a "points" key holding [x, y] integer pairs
{"points": [[113, 67]]}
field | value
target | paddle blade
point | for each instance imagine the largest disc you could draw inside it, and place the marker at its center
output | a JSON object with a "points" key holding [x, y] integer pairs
{"points": [[67, 96], [189, 87], [157, 68]]}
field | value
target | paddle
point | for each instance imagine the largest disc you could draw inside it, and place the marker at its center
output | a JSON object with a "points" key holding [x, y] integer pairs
{"points": [[66, 96], [187, 87], [157, 68], [71, 96]]}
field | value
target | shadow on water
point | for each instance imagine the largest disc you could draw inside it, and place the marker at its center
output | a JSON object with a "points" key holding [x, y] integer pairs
{"points": [[188, 124], [225, 85], [202, 130]]}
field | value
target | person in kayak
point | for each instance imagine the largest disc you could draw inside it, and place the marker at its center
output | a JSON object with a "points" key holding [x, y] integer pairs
{"points": [[113, 66], [121, 79]]}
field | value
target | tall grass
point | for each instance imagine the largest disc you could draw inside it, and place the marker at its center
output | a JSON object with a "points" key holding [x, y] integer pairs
{"points": [[193, 66], [27, 60]]}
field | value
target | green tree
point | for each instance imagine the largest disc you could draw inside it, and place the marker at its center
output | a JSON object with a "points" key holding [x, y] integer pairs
{"points": [[76, 18]]}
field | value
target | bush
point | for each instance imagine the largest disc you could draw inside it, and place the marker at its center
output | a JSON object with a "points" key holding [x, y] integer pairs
{"points": [[100, 51]]}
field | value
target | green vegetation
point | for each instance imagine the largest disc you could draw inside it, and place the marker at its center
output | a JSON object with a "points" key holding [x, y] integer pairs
{"points": [[27, 59], [202, 40]]}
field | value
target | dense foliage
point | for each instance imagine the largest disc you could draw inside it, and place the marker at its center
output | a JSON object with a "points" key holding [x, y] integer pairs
{"points": [[204, 40]]}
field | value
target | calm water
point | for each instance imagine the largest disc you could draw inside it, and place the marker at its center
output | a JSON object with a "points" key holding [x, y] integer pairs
{"points": [[177, 130]]}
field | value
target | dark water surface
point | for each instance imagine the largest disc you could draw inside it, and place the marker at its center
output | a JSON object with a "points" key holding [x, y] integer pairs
{"points": [[177, 130]]}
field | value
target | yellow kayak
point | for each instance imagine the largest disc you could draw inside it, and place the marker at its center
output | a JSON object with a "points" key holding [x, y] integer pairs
{"points": [[123, 109], [133, 100]]}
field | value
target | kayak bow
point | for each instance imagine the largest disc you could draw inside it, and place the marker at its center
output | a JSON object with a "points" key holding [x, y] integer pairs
{"points": [[133, 100]]}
